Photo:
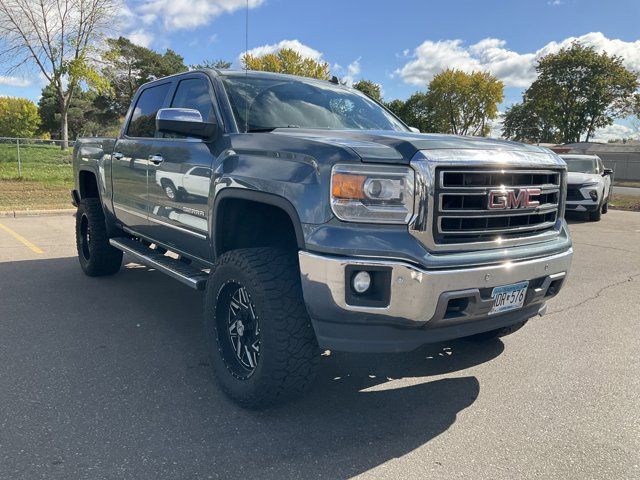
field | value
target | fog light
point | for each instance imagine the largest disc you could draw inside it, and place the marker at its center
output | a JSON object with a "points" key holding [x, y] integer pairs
{"points": [[594, 195], [361, 282]]}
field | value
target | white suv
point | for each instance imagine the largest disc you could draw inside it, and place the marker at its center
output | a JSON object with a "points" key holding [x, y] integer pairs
{"points": [[588, 185]]}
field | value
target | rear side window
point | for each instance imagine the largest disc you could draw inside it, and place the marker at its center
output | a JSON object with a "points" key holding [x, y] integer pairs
{"points": [[143, 119], [194, 93]]}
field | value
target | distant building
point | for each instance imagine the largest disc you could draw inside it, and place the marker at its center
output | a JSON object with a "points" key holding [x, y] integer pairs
{"points": [[623, 158]]}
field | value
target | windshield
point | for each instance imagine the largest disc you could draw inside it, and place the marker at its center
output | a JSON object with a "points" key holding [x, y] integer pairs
{"points": [[262, 104], [582, 165]]}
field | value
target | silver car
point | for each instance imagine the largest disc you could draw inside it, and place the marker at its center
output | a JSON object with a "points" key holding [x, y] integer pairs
{"points": [[588, 185]]}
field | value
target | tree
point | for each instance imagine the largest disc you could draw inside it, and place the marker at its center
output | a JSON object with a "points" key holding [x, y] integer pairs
{"points": [[57, 36], [216, 64], [287, 60], [18, 117], [372, 90], [463, 103], [579, 90], [126, 66], [523, 122], [86, 116]]}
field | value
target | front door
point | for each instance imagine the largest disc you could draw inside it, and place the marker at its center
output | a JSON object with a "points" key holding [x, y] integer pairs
{"points": [[130, 160], [180, 176]]}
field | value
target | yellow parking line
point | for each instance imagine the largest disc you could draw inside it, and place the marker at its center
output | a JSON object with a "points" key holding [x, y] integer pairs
{"points": [[21, 239]]}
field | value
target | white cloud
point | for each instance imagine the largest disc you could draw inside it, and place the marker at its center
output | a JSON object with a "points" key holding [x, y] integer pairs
{"points": [[296, 45], [353, 70], [141, 37], [616, 131], [188, 14], [14, 81], [491, 54]]}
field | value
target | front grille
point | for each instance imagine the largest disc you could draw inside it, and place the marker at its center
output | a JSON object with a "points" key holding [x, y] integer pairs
{"points": [[574, 193], [462, 213]]}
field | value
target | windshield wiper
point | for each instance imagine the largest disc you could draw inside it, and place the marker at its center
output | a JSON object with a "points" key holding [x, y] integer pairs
{"points": [[270, 129]]}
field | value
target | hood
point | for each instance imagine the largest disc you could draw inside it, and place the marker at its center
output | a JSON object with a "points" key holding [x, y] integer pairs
{"points": [[400, 147], [577, 178]]}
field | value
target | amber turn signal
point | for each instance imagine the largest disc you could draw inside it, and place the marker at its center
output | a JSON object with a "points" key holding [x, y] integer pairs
{"points": [[348, 186]]}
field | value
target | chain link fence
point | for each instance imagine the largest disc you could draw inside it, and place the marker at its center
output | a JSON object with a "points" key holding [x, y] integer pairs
{"points": [[20, 151]]}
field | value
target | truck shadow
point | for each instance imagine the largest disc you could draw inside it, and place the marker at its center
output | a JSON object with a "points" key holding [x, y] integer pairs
{"points": [[133, 374]]}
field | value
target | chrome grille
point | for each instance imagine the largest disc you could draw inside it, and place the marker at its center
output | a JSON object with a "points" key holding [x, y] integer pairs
{"points": [[461, 208]]}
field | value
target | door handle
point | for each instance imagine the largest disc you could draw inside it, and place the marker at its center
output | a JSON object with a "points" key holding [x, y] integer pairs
{"points": [[118, 155], [156, 159]]}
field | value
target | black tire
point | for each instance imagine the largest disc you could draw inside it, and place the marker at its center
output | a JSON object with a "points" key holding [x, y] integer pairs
{"points": [[273, 314], [170, 190], [97, 257], [497, 333], [597, 215], [605, 206]]}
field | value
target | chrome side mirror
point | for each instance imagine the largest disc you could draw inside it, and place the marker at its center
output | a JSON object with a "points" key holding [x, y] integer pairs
{"points": [[184, 121]]}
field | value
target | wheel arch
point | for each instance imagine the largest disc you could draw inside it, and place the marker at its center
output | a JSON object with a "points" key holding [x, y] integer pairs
{"points": [[275, 202]]}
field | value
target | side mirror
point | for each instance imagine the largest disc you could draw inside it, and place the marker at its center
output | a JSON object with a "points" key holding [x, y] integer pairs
{"points": [[414, 129], [607, 171], [184, 121]]}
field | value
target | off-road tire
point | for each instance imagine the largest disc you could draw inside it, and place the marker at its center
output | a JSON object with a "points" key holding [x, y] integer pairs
{"points": [[97, 257], [498, 332], [288, 350]]}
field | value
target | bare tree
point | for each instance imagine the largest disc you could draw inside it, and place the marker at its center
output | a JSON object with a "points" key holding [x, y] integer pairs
{"points": [[57, 37]]}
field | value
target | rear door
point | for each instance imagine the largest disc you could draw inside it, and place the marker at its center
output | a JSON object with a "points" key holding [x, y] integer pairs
{"points": [[181, 220], [130, 161]]}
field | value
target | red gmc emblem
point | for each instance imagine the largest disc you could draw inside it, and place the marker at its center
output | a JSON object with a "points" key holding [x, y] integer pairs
{"points": [[509, 199]]}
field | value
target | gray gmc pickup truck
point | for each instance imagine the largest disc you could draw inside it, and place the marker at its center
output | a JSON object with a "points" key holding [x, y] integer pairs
{"points": [[314, 219]]}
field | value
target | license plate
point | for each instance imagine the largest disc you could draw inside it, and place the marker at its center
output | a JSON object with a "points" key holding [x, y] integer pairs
{"points": [[508, 297]]}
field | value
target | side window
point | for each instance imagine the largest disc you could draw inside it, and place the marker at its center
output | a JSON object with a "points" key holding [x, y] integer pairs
{"points": [[143, 119], [194, 93], [201, 172]]}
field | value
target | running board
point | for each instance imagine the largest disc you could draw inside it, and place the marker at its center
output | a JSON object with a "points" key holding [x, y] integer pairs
{"points": [[182, 272]]}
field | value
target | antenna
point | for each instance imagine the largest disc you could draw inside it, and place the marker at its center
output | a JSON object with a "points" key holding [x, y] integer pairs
{"points": [[246, 67]]}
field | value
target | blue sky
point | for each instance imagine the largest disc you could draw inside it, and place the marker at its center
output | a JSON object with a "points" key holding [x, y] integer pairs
{"points": [[399, 44]]}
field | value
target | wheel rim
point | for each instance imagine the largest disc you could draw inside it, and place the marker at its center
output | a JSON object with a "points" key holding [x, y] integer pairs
{"points": [[238, 330], [85, 237], [170, 193]]}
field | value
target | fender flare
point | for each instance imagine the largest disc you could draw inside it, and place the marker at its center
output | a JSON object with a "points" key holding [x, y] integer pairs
{"points": [[258, 197]]}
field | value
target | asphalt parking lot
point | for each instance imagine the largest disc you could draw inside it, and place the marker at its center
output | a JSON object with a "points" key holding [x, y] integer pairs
{"points": [[109, 378]]}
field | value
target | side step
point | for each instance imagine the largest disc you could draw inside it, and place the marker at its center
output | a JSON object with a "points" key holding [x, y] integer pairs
{"points": [[182, 272]]}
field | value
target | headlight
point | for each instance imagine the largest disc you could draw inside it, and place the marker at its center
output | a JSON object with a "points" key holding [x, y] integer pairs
{"points": [[372, 193], [594, 195]]}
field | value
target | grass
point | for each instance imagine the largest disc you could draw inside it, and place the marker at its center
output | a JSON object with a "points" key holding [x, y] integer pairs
{"points": [[627, 183], [625, 202], [47, 177]]}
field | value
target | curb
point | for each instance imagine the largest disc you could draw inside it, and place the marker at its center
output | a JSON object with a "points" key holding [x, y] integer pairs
{"points": [[37, 213]]}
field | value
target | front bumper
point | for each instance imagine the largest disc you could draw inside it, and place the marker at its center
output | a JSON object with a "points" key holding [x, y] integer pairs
{"points": [[581, 206], [424, 305]]}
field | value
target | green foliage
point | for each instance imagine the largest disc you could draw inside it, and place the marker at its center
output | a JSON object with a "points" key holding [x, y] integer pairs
{"points": [[215, 64], [415, 111], [126, 66], [369, 88], [18, 117], [462, 103], [456, 102], [287, 61], [578, 90], [87, 116], [524, 123]]}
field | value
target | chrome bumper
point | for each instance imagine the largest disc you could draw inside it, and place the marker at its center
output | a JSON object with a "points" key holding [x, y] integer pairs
{"points": [[419, 297]]}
